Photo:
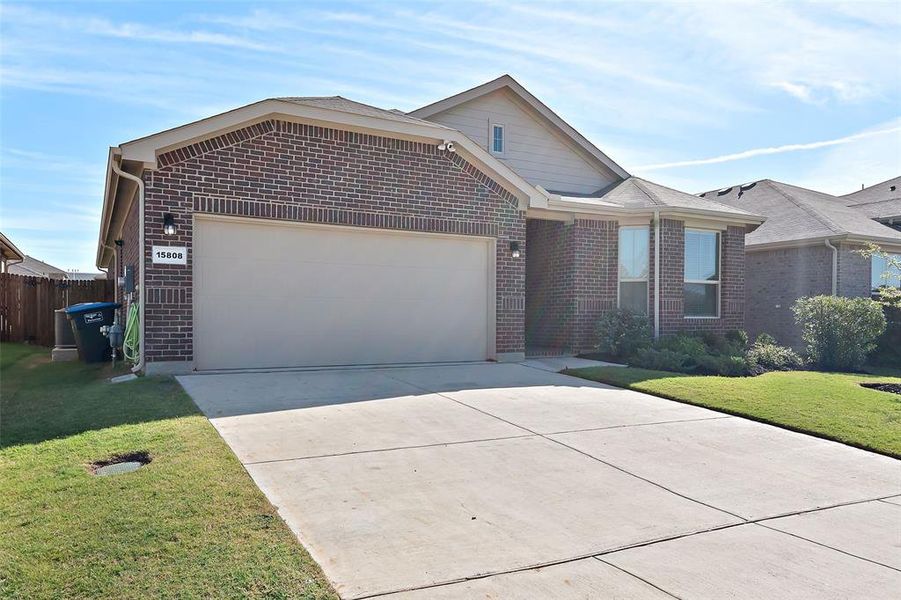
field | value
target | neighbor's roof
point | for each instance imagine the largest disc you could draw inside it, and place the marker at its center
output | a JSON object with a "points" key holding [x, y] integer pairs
{"points": [[342, 104], [642, 195], [9, 249], [507, 82], [880, 201], [795, 214], [35, 268]]}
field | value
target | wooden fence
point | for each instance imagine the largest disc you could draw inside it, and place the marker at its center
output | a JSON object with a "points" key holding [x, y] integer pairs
{"points": [[27, 304]]}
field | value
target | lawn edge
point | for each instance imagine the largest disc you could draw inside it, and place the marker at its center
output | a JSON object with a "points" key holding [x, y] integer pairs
{"points": [[744, 415]]}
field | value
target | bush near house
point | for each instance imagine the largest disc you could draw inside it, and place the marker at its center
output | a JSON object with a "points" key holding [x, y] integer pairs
{"points": [[839, 333], [702, 353], [621, 333], [766, 355]]}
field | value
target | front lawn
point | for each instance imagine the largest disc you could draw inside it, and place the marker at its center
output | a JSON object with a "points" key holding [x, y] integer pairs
{"points": [[191, 524], [829, 405]]}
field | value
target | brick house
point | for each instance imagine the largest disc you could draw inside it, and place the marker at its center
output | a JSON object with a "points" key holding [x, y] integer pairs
{"points": [[321, 231], [808, 246]]}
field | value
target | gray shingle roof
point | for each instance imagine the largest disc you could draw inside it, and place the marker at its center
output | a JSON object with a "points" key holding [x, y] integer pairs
{"points": [[358, 108], [35, 268], [880, 201], [797, 214], [637, 193]]}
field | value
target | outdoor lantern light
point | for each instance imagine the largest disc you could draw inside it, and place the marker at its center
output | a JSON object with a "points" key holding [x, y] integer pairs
{"points": [[169, 224], [514, 249]]}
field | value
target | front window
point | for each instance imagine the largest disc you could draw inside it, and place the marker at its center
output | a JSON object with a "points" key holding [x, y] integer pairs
{"points": [[497, 139], [634, 250], [883, 273], [702, 273]]}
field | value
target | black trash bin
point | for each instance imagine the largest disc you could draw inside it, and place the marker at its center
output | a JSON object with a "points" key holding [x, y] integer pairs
{"points": [[86, 319]]}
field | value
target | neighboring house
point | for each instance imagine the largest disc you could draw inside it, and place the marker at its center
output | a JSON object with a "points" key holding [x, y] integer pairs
{"points": [[9, 254], [881, 202], [808, 246], [321, 231], [35, 268], [81, 276]]}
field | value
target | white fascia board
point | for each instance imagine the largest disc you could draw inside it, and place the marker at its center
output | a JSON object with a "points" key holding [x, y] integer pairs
{"points": [[537, 105], [891, 245], [109, 193], [586, 207]]}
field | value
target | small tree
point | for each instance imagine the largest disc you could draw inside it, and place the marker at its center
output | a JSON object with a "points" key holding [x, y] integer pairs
{"points": [[838, 332], [622, 332], [888, 295]]}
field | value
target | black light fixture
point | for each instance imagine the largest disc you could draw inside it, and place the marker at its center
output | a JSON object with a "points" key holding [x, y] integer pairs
{"points": [[169, 224], [514, 249]]}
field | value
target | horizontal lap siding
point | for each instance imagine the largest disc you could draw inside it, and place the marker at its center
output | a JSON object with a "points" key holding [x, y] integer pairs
{"points": [[303, 173]]}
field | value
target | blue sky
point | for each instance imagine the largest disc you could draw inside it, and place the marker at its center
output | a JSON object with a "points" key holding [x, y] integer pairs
{"points": [[696, 96]]}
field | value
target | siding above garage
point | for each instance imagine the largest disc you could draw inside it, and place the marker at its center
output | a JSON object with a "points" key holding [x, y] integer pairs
{"points": [[541, 156]]}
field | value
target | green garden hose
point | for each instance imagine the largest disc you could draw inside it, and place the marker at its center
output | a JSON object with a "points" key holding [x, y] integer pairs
{"points": [[132, 334]]}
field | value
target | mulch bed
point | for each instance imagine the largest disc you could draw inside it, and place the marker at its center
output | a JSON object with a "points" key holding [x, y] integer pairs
{"points": [[894, 388]]}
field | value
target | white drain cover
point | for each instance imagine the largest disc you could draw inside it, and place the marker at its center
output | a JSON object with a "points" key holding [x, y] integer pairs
{"points": [[119, 468]]}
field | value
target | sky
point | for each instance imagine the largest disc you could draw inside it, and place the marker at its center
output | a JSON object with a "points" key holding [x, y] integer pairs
{"points": [[696, 96]]}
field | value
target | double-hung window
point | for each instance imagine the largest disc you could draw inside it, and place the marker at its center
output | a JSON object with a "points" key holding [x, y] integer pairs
{"points": [[634, 250], [702, 273], [497, 139], [883, 273]]}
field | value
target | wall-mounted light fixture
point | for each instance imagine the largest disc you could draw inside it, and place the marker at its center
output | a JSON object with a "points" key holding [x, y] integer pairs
{"points": [[514, 249], [169, 224]]}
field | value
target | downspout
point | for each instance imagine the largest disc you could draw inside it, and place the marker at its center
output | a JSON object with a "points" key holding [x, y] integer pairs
{"points": [[834, 267], [142, 296], [656, 274]]}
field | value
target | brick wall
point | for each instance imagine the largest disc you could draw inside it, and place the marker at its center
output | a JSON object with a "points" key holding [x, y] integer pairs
{"points": [[548, 289], [594, 278], [290, 171], [854, 272]]}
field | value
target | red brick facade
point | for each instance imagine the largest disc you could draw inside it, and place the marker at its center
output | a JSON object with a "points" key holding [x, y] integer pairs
{"points": [[304, 173], [572, 279]]}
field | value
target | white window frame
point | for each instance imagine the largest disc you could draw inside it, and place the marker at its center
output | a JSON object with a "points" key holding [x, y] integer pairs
{"points": [[718, 282], [503, 128], [646, 280]]}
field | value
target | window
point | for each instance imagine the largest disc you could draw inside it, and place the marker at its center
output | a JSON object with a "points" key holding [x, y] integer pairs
{"points": [[883, 274], [634, 249], [702, 273], [497, 139]]}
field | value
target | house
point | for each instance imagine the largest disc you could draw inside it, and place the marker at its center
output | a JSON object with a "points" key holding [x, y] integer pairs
{"points": [[313, 231], [808, 246], [9, 254], [881, 202], [33, 267]]}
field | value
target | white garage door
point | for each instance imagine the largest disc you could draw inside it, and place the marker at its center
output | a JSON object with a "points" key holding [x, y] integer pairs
{"points": [[270, 294]]}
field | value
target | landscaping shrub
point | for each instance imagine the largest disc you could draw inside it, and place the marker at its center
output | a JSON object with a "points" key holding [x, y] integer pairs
{"points": [[766, 355], [839, 333], [888, 346], [621, 333], [738, 338], [662, 360]]}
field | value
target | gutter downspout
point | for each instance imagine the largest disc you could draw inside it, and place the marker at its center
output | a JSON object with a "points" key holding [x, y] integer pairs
{"points": [[656, 274], [834, 267], [142, 296]]}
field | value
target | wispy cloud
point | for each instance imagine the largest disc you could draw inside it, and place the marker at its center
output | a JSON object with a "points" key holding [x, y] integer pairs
{"points": [[745, 154]]}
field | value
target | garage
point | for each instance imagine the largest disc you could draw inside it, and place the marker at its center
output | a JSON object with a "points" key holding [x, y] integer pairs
{"points": [[272, 294]]}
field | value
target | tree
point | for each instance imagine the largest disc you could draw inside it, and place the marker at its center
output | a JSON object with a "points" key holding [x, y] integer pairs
{"points": [[887, 294]]}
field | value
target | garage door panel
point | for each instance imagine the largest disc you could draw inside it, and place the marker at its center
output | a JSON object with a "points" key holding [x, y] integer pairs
{"points": [[308, 296]]}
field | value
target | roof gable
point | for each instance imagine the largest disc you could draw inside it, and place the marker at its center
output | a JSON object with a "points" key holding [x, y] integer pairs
{"points": [[538, 110]]}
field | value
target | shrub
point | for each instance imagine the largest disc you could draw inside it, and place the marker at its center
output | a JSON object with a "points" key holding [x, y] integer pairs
{"points": [[839, 333], [662, 360], [723, 364], [683, 343], [622, 332], [738, 338], [765, 355]]}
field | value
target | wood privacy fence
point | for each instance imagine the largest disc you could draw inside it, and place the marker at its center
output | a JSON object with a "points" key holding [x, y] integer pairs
{"points": [[27, 304]]}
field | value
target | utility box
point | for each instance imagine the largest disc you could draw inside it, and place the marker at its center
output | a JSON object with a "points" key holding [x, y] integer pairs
{"points": [[86, 319]]}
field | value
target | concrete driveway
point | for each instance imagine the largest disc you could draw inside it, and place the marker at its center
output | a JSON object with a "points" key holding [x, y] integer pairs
{"points": [[512, 481]]}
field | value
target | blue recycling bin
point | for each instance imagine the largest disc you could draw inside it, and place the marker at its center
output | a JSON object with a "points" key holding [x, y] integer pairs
{"points": [[86, 319]]}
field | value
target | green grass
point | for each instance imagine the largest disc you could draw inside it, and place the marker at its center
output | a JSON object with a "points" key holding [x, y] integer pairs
{"points": [[191, 524], [829, 405]]}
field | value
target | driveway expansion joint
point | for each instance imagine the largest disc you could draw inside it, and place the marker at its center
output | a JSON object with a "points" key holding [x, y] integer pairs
{"points": [[845, 552]]}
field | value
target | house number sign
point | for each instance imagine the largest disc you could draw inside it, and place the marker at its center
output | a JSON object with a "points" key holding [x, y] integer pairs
{"points": [[170, 255]]}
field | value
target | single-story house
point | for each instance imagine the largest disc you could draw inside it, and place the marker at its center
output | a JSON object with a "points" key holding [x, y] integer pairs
{"points": [[33, 267], [808, 246], [9, 254], [313, 231]]}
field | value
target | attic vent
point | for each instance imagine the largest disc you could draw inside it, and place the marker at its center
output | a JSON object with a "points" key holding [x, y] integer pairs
{"points": [[704, 194], [724, 191], [892, 188], [747, 186]]}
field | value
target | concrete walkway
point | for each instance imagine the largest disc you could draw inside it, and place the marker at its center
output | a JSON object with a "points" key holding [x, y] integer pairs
{"points": [[512, 481]]}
